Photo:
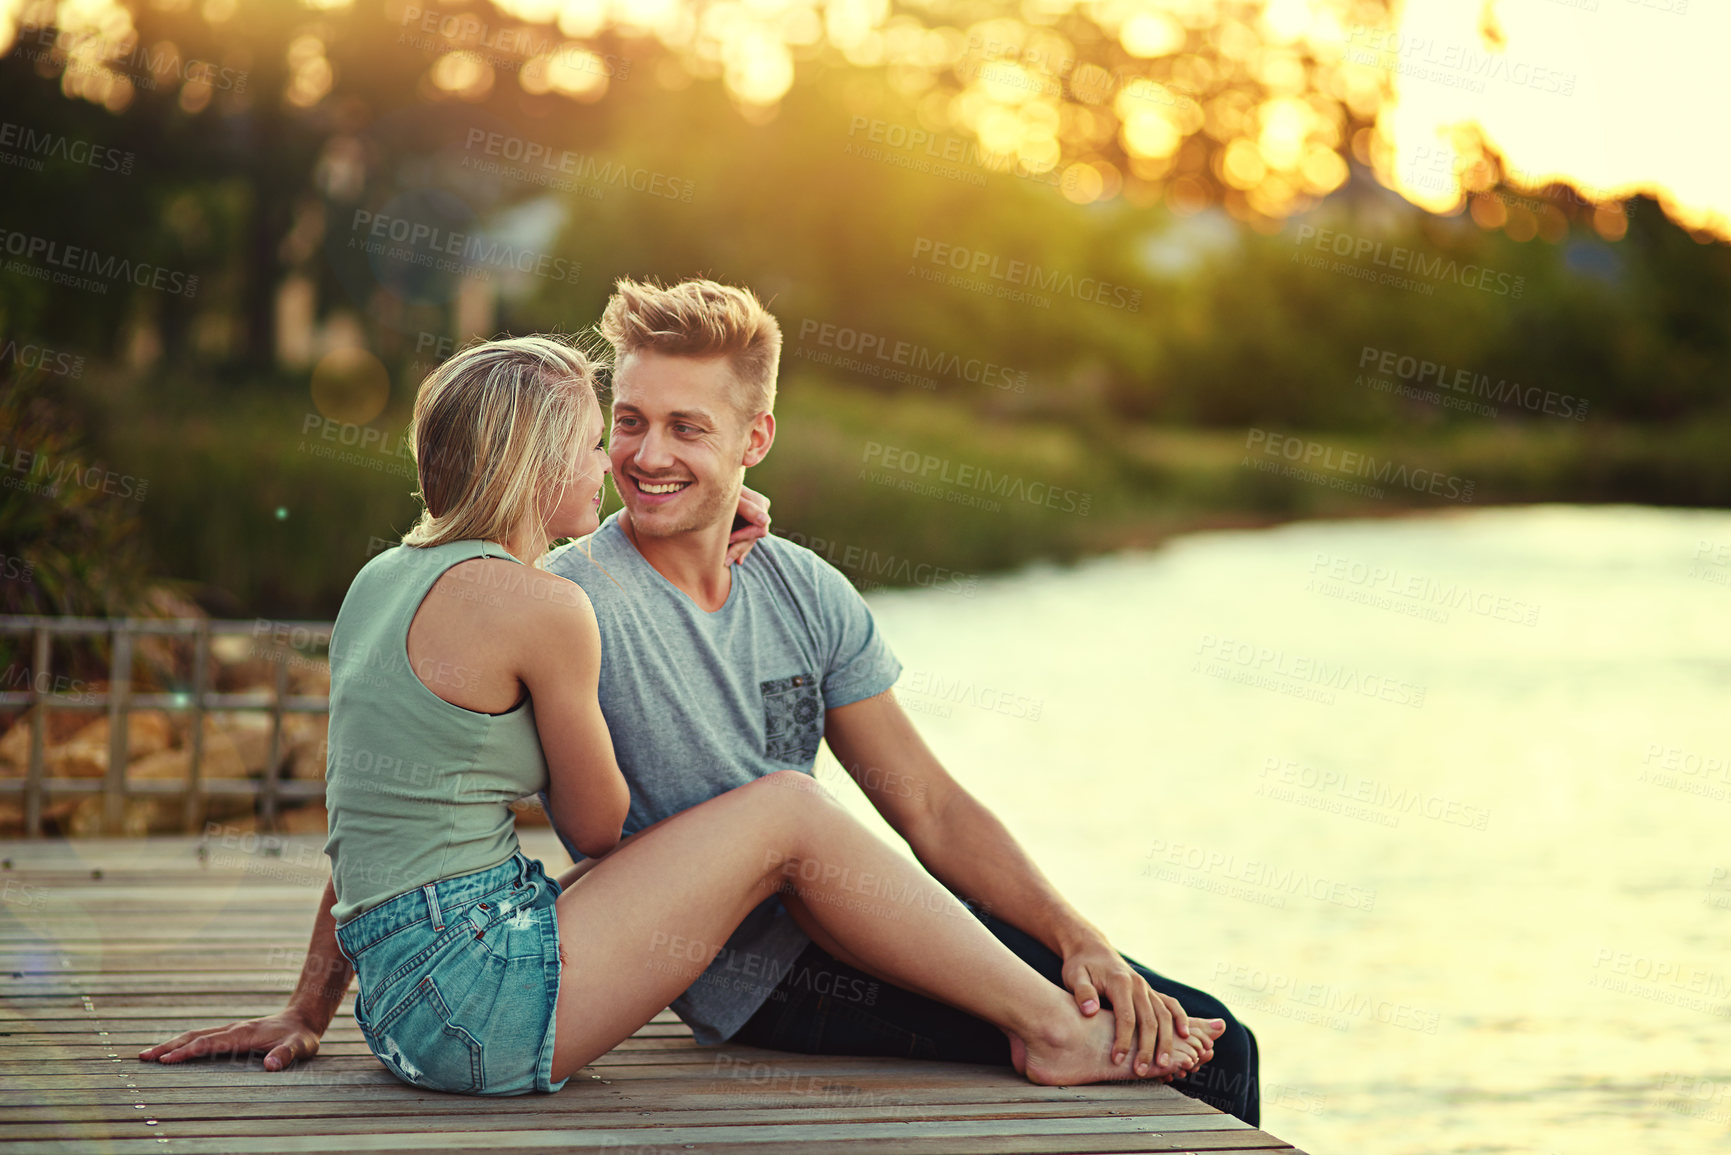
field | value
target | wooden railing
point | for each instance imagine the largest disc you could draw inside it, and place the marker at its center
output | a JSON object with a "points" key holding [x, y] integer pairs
{"points": [[118, 701]]}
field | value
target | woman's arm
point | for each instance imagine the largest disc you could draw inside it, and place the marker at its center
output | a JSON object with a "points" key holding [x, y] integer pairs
{"points": [[559, 659], [293, 1032]]}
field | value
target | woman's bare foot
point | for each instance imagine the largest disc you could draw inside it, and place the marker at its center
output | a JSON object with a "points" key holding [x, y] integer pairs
{"points": [[1080, 1052], [1198, 1048]]}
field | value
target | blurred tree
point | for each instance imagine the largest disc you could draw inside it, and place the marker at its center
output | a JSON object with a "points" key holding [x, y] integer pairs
{"points": [[70, 540]]}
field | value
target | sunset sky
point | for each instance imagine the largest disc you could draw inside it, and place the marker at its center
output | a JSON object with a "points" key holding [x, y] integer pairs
{"points": [[1617, 96], [1647, 112]]}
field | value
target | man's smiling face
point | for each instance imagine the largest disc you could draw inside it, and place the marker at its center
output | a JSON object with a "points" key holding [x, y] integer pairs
{"points": [[678, 448]]}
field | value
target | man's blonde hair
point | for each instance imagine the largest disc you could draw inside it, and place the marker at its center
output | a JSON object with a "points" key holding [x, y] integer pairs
{"points": [[699, 318], [495, 434]]}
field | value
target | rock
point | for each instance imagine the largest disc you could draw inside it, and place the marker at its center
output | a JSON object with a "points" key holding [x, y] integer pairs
{"points": [[86, 754], [147, 732], [309, 676], [169, 655], [304, 736], [15, 744], [237, 665], [139, 815], [176, 765], [302, 820], [54, 815], [305, 820], [241, 738], [78, 759], [166, 814]]}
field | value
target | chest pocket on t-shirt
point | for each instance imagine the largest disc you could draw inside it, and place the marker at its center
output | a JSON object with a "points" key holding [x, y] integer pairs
{"points": [[792, 718]]}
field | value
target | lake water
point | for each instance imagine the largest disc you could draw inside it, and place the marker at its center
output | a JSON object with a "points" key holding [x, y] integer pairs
{"points": [[1439, 806]]}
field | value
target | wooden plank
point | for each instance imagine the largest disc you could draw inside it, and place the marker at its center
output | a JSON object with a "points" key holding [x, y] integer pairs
{"points": [[18, 1045], [57, 1012], [364, 1069], [478, 1118], [695, 1104], [581, 1098], [729, 1069], [142, 1005], [14, 1055], [963, 1133], [77, 923], [649, 1138], [639, 1068], [167, 957], [648, 1141], [657, 1029], [163, 851], [314, 1086], [262, 988], [95, 882]]}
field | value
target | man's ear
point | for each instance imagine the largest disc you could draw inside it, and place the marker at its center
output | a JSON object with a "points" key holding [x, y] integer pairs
{"points": [[758, 438]]}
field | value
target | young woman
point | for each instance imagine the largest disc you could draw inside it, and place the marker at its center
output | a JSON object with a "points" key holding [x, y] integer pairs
{"points": [[464, 677]]}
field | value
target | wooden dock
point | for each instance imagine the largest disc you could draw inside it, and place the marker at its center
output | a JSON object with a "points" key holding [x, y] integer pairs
{"points": [[111, 945]]}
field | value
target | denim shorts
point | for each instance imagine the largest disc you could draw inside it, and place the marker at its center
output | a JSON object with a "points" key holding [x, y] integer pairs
{"points": [[459, 979]]}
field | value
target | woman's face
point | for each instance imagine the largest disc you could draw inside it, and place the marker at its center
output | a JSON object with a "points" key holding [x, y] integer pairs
{"points": [[579, 510]]}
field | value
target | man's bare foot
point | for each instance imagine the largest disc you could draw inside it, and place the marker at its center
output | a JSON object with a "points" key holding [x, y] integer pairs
{"points": [[1079, 1051]]}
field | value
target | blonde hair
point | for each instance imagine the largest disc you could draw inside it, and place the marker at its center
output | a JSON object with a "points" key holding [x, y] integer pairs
{"points": [[494, 436], [699, 318]]}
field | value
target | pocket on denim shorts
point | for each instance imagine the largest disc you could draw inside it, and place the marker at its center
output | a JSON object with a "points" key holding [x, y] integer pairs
{"points": [[439, 1054], [421, 953]]}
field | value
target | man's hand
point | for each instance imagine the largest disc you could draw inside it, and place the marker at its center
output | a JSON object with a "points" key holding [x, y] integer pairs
{"points": [[752, 521], [1146, 1018], [284, 1037]]}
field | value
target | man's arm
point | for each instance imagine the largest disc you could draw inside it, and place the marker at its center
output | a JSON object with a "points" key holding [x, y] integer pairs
{"points": [[293, 1032], [969, 850]]}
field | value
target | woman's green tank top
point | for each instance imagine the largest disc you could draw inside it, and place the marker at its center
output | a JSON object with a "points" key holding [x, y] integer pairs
{"points": [[417, 788]]}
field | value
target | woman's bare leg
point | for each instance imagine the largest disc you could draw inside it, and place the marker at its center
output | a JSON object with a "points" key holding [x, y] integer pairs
{"points": [[1187, 1054], [636, 930]]}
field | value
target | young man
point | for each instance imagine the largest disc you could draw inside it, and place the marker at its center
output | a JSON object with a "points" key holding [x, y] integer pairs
{"points": [[713, 675]]}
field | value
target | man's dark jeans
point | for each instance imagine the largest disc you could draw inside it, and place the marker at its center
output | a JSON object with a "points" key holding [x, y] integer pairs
{"points": [[825, 1007]]}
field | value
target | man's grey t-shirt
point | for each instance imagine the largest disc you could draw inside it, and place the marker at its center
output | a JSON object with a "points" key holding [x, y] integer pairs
{"points": [[699, 703]]}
